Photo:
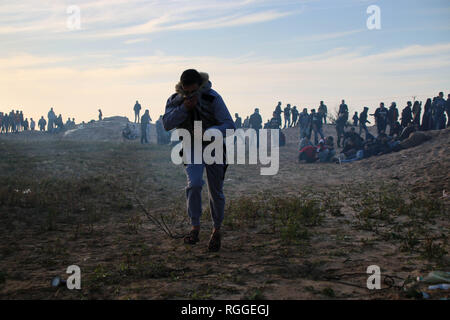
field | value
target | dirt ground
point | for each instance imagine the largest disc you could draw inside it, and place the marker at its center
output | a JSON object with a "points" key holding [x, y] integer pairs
{"points": [[309, 232]]}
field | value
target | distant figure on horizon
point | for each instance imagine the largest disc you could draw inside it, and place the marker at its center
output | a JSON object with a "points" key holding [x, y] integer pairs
{"points": [[287, 116], [145, 122], [100, 115], [438, 112], [417, 111], [381, 118], [317, 122], [51, 120], [294, 116], [392, 118], [355, 119], [238, 122], [323, 110], [246, 124], [363, 120], [278, 113], [343, 109], [32, 124], [42, 123], [304, 122], [256, 123], [406, 115], [137, 111]]}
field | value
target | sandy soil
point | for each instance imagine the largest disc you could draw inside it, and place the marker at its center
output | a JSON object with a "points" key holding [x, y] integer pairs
{"points": [[309, 232]]}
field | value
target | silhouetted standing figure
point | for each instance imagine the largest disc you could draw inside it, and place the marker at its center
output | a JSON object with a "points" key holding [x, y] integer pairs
{"points": [[381, 117], [304, 122], [427, 119], [137, 111], [256, 123], [42, 123], [323, 110], [287, 116], [392, 118], [355, 119], [51, 120], [438, 109], [145, 122], [343, 109], [294, 116], [238, 122], [316, 121], [363, 120], [416, 111], [100, 115], [406, 115], [278, 112]]}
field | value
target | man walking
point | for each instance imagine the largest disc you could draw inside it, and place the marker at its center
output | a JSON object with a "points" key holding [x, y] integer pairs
{"points": [[195, 100]]}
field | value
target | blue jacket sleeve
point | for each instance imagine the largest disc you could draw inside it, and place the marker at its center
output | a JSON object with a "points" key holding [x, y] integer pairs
{"points": [[175, 114], [222, 116]]}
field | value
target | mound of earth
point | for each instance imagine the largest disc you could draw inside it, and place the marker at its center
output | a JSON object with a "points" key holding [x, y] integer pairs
{"points": [[109, 129]]}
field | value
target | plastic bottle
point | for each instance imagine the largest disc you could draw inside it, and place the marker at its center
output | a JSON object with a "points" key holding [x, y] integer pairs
{"points": [[443, 286], [436, 277]]}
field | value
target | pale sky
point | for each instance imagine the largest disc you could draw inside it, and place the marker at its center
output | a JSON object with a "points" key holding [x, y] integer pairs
{"points": [[257, 52]]}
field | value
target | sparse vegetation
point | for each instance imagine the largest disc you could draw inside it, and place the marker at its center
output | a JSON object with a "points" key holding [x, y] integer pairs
{"points": [[64, 203]]}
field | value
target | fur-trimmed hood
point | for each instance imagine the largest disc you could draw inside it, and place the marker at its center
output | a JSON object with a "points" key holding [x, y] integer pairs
{"points": [[204, 87]]}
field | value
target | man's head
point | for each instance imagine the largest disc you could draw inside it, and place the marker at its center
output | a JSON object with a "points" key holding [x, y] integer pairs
{"points": [[191, 81], [321, 102], [288, 105], [382, 104], [343, 101], [393, 104], [256, 110], [236, 115], [305, 110], [313, 111], [441, 95], [409, 104]]}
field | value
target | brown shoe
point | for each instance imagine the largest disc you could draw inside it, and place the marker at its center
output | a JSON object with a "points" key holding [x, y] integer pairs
{"points": [[215, 241]]}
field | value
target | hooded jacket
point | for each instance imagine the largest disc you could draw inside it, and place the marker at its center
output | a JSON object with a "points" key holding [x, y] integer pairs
{"points": [[210, 110]]}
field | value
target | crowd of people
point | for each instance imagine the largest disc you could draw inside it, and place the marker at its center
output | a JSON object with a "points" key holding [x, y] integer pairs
{"points": [[314, 146], [15, 122], [436, 116]]}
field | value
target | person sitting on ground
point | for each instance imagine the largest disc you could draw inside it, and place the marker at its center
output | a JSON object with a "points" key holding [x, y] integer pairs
{"points": [[407, 131], [308, 154], [325, 150], [355, 138], [304, 142]]}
